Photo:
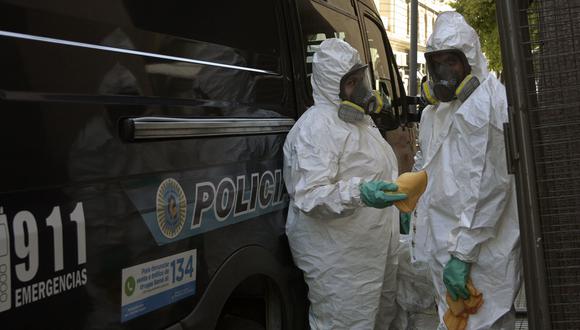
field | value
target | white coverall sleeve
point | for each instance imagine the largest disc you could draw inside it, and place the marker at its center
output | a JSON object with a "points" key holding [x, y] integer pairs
{"points": [[484, 185], [317, 189]]}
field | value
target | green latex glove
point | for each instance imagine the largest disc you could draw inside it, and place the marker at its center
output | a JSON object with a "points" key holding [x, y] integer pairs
{"points": [[404, 223], [373, 194], [455, 275]]}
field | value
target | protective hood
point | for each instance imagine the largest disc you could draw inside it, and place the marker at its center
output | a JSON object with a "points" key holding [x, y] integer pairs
{"points": [[451, 31], [334, 59]]}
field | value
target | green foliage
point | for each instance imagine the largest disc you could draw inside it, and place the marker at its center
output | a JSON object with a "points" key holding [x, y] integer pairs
{"points": [[480, 14]]}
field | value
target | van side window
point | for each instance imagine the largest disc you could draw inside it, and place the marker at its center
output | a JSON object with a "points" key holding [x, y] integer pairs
{"points": [[251, 31], [197, 58], [252, 41], [319, 22], [381, 72]]}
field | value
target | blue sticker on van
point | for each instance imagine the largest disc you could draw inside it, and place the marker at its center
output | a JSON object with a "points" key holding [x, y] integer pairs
{"points": [[149, 286], [186, 204]]}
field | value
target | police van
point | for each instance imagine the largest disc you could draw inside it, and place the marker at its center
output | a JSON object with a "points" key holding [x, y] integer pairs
{"points": [[141, 157]]}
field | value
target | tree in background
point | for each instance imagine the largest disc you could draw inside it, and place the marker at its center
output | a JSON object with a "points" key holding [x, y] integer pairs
{"points": [[480, 14]]}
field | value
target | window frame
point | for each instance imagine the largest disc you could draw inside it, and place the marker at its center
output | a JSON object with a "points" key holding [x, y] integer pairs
{"points": [[341, 10], [363, 53], [396, 82], [371, 64]]}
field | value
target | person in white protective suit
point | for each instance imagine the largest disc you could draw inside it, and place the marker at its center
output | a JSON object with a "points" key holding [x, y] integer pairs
{"points": [[340, 227], [467, 224]]}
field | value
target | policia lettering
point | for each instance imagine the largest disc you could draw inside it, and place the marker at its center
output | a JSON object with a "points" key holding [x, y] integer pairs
{"points": [[263, 190]]}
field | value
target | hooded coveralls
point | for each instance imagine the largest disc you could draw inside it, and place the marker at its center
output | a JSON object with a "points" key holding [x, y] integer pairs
{"points": [[342, 246], [469, 208]]}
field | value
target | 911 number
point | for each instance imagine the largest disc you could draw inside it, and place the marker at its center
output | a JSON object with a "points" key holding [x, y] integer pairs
{"points": [[25, 229]]}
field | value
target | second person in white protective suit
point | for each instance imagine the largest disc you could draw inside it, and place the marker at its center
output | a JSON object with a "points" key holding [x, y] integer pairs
{"points": [[467, 224], [340, 226]]}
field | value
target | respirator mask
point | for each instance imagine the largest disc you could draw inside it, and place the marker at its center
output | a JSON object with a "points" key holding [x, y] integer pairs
{"points": [[359, 99], [450, 77]]}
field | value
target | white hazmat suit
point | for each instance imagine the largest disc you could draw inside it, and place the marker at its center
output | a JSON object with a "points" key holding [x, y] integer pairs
{"points": [[341, 245], [469, 207]]}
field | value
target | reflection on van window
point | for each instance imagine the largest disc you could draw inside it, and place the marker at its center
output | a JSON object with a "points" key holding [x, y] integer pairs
{"points": [[379, 62], [210, 83], [253, 32], [320, 23], [223, 32], [220, 32]]}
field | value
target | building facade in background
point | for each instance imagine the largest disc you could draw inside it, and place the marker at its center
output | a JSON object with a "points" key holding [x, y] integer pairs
{"points": [[396, 16]]}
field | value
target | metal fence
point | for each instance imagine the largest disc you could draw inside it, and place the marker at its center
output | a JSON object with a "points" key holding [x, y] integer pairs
{"points": [[541, 53]]}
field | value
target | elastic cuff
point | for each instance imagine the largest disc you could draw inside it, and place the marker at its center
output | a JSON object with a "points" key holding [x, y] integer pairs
{"points": [[350, 191], [355, 190], [466, 257]]}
